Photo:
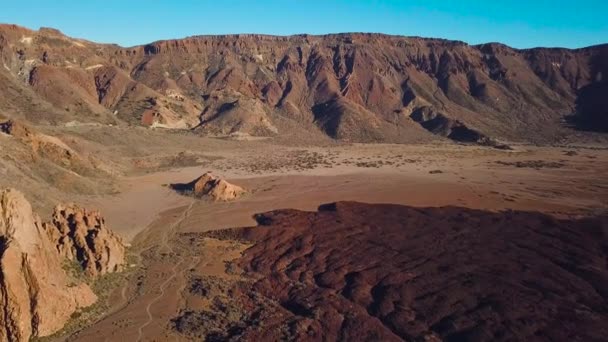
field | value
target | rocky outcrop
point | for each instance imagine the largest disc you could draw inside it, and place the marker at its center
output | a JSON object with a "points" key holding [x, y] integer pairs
{"points": [[37, 297], [38, 292], [80, 235], [16, 129], [211, 186]]}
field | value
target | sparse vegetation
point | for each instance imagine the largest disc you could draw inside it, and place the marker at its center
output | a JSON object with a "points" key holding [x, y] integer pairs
{"points": [[102, 286], [75, 271], [534, 164]]}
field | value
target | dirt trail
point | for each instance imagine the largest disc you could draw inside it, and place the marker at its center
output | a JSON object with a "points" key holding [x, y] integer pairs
{"points": [[165, 244], [156, 299]]}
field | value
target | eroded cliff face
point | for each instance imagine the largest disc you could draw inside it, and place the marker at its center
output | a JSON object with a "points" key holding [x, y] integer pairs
{"points": [[354, 87], [37, 296], [80, 235]]}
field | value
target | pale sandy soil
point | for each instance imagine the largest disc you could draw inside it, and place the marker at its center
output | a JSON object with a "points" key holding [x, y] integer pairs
{"points": [[470, 177], [149, 214]]}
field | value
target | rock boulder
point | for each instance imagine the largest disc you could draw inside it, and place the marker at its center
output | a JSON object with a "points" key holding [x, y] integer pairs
{"points": [[211, 186]]}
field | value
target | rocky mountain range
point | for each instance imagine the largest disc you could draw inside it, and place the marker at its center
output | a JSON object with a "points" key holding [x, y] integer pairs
{"points": [[352, 87]]}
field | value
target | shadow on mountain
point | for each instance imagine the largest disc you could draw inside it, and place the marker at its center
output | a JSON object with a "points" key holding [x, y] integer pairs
{"points": [[592, 100], [591, 108]]}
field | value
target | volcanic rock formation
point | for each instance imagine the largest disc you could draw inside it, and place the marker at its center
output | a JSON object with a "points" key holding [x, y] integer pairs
{"points": [[211, 186], [36, 295], [80, 235], [354, 271]]}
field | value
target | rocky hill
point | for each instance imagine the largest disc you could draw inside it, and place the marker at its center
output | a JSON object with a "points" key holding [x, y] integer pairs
{"points": [[210, 186], [38, 293], [352, 87]]}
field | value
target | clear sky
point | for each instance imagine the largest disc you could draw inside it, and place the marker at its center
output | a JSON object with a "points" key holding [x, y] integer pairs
{"points": [[518, 23]]}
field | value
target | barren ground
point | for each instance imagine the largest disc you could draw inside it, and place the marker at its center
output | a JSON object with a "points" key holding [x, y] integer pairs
{"points": [[563, 182]]}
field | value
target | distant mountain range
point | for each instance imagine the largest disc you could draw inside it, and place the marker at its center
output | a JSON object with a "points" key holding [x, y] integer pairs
{"points": [[352, 87]]}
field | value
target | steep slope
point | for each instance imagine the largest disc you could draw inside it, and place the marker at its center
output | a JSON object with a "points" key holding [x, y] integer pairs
{"points": [[47, 147], [50, 166], [356, 87], [37, 295], [236, 113], [81, 236]]}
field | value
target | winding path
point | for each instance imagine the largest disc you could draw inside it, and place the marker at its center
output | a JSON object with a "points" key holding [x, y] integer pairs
{"points": [[165, 244]]}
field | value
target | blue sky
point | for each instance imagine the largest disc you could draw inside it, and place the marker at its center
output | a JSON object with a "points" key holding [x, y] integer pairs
{"points": [[516, 23]]}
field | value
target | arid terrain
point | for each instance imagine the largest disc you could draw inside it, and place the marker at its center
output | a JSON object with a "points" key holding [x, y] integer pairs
{"points": [[188, 278], [339, 187]]}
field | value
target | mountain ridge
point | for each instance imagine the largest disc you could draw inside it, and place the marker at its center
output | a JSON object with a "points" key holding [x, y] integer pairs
{"points": [[304, 35], [360, 87]]}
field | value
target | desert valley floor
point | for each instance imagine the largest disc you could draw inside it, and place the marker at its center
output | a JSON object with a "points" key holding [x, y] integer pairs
{"points": [[186, 283]]}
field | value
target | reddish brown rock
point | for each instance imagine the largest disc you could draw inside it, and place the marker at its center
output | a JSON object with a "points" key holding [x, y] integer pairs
{"points": [[356, 87], [272, 93], [16, 129], [234, 113], [211, 186], [354, 271], [37, 297], [46, 146], [80, 235]]}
